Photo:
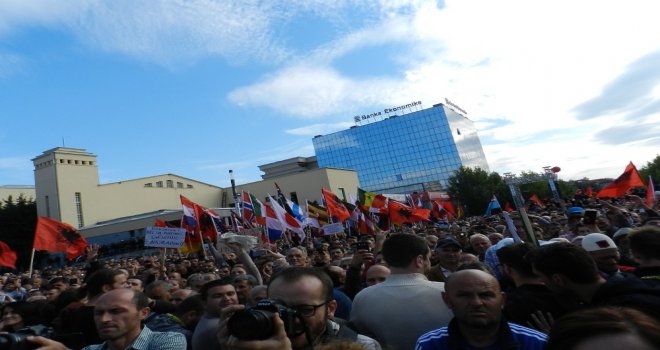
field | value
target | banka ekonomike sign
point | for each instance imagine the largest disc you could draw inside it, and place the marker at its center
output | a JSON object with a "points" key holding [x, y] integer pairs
{"points": [[359, 118]]}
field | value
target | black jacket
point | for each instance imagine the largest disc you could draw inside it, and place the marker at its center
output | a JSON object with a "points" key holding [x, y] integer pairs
{"points": [[629, 291]]}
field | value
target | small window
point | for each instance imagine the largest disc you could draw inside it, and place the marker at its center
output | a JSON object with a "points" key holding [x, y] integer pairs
{"points": [[159, 183], [84, 162], [179, 185], [91, 163], [170, 184], [189, 186], [148, 185], [77, 162], [61, 161], [68, 161]]}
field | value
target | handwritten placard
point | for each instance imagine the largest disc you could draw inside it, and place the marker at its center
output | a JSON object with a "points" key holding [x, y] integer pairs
{"points": [[331, 229], [164, 237]]}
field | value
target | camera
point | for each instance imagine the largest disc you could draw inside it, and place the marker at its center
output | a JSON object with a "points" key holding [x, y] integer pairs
{"points": [[18, 341], [256, 323], [590, 216], [363, 245]]}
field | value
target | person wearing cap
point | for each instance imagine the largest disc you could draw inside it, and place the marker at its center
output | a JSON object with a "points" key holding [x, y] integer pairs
{"points": [[645, 249], [448, 254], [569, 270], [574, 217], [605, 253]]}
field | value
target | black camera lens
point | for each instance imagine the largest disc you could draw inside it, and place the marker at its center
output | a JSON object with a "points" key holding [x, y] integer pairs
{"points": [[251, 324]]}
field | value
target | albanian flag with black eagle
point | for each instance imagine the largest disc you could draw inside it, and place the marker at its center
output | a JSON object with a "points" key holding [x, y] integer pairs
{"points": [[55, 236]]}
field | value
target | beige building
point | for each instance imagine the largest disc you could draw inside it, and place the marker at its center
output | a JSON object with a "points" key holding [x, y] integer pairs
{"points": [[15, 191], [68, 189]]}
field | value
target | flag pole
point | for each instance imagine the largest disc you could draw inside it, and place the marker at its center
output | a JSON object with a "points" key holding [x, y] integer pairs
{"points": [[31, 261]]}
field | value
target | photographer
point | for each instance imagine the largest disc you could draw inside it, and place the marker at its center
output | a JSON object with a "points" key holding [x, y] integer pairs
{"points": [[303, 298]]}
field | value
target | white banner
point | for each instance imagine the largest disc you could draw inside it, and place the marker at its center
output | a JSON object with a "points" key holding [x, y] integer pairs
{"points": [[164, 237], [331, 229]]}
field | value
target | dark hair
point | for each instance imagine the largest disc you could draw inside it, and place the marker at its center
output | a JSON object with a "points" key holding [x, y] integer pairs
{"points": [[191, 303], [29, 312], [475, 265], [513, 255], [401, 249], [158, 284], [56, 280], [67, 297], [574, 328], [225, 281], [139, 299], [295, 273], [99, 279], [645, 241], [252, 281], [566, 259]]}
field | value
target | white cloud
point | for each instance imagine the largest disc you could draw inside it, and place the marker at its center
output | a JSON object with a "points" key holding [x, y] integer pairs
{"points": [[528, 63]]}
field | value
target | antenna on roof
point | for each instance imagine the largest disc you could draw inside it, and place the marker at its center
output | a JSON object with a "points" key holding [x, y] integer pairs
{"points": [[63, 141]]}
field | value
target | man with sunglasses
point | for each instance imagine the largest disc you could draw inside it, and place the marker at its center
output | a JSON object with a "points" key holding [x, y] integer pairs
{"points": [[308, 291]]}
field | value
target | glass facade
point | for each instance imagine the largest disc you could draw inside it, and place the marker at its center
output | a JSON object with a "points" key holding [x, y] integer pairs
{"points": [[417, 151]]}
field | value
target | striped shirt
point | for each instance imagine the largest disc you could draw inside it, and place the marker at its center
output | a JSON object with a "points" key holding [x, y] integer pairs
{"points": [[148, 340], [512, 336]]}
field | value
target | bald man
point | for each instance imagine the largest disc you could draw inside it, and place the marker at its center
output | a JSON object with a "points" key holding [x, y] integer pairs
{"points": [[476, 300], [377, 274]]}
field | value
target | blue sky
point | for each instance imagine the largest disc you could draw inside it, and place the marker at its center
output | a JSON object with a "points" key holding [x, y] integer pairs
{"points": [[199, 87]]}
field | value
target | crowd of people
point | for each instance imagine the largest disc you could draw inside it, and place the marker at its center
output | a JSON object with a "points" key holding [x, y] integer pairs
{"points": [[588, 280]]}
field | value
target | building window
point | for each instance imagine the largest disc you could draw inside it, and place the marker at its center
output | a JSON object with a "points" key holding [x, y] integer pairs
{"points": [[47, 206], [149, 185], [170, 184], [159, 183], [91, 163], [76, 162], [342, 193], [68, 161], [179, 185], [79, 210], [189, 186]]}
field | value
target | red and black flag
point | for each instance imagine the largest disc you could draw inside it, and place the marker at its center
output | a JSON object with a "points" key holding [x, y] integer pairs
{"points": [[55, 236], [336, 208]]}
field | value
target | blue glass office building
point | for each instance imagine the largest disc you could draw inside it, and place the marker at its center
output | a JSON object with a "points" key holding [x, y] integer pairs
{"points": [[417, 151]]}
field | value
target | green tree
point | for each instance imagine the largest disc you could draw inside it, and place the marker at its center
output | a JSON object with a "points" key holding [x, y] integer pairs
{"points": [[18, 219], [651, 168], [473, 188], [542, 188]]}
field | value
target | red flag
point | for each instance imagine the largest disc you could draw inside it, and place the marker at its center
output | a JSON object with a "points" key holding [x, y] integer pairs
{"points": [[618, 188], [589, 192], [56, 236], [534, 198], [335, 206], [441, 209], [365, 225], [379, 204], [7, 256], [650, 193], [161, 223], [401, 213]]}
